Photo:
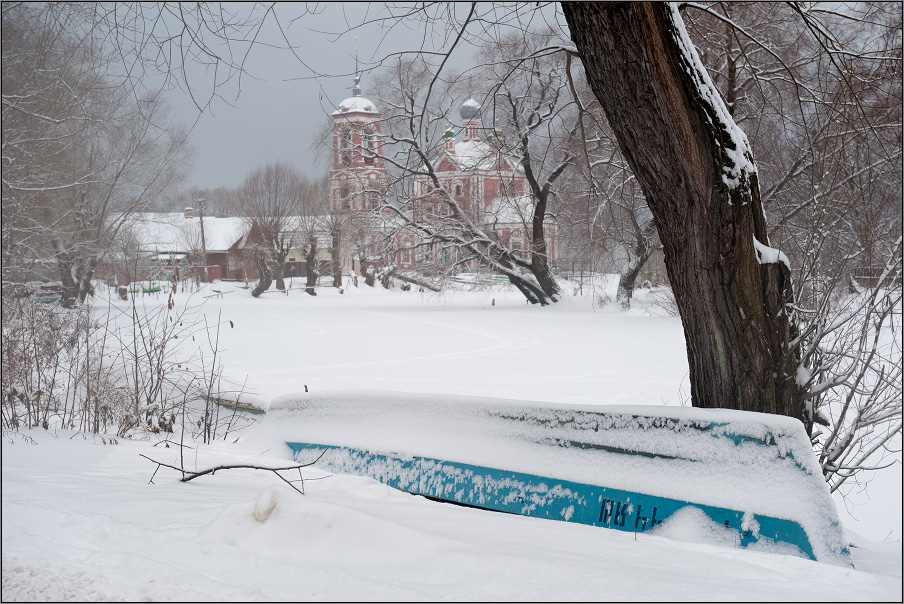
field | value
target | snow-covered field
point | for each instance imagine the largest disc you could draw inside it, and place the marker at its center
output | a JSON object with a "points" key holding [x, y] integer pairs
{"points": [[82, 522]]}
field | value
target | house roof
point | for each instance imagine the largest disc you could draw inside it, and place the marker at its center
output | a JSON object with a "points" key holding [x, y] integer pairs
{"points": [[172, 232]]}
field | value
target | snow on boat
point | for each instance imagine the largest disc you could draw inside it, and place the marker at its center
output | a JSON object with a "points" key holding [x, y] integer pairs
{"points": [[751, 477]]}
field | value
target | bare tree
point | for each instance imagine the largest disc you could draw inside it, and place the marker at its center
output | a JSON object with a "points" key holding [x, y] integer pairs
{"points": [[312, 223], [81, 155], [528, 105], [706, 204], [535, 121], [416, 130], [272, 195]]}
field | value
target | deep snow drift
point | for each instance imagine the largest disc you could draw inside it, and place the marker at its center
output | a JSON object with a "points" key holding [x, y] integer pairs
{"points": [[81, 521]]}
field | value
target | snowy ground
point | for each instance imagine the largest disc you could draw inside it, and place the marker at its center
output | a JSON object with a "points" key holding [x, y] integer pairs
{"points": [[81, 522]]}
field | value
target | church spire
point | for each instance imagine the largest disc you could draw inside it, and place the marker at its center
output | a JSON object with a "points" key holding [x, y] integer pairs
{"points": [[356, 90]]}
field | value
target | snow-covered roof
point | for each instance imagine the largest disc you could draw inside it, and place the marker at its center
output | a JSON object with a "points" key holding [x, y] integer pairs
{"points": [[511, 210], [172, 232], [474, 155], [478, 155], [356, 104]]}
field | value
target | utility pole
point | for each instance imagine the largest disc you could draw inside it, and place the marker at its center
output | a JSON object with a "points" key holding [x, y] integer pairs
{"points": [[201, 209]]}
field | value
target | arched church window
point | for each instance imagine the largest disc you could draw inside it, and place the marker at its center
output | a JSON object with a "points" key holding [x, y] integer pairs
{"points": [[406, 254], [370, 144], [458, 189], [346, 144], [517, 242], [343, 195]]}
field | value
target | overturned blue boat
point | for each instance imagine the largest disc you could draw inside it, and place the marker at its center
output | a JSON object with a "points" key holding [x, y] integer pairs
{"points": [[753, 477]]}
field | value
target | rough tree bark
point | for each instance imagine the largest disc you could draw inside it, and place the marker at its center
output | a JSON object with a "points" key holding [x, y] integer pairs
{"points": [[279, 270], [697, 173], [312, 271], [76, 275], [335, 257], [265, 272]]}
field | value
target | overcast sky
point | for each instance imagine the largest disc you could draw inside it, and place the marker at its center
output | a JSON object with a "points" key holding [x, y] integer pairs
{"points": [[282, 104]]}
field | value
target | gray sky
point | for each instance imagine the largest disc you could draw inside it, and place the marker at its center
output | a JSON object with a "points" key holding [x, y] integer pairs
{"points": [[282, 105]]}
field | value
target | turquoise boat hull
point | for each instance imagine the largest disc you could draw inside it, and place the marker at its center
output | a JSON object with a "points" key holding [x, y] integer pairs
{"points": [[540, 496], [717, 476]]}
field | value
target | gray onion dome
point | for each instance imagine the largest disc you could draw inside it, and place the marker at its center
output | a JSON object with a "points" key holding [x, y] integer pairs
{"points": [[470, 109]]}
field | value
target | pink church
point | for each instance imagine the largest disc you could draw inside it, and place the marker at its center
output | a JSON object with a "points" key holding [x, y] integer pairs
{"points": [[488, 185]]}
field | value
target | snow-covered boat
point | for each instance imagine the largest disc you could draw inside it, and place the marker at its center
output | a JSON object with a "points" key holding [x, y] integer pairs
{"points": [[752, 479]]}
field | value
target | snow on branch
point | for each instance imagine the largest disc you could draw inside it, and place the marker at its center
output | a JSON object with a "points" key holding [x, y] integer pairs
{"points": [[769, 255], [736, 147]]}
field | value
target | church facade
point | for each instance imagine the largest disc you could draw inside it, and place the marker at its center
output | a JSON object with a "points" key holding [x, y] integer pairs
{"points": [[358, 178], [487, 185]]}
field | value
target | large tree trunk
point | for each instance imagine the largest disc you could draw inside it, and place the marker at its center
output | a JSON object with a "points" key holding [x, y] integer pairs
{"points": [[311, 266], [76, 276], [539, 257], [265, 274], [539, 254], [533, 294], [700, 182], [370, 275], [279, 269], [336, 258], [529, 288], [85, 275], [627, 281], [278, 272], [67, 278]]}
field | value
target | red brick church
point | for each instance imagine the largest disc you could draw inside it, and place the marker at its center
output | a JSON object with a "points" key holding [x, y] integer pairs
{"points": [[489, 186]]}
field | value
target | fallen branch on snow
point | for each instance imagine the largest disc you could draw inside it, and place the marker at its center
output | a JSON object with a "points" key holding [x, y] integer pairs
{"points": [[191, 475]]}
